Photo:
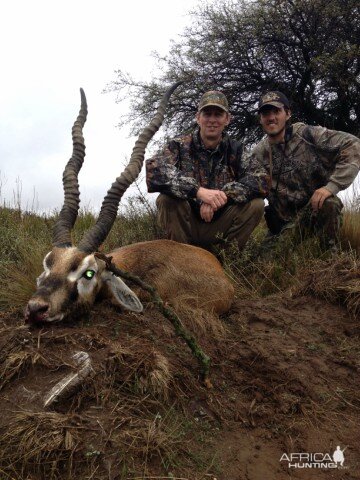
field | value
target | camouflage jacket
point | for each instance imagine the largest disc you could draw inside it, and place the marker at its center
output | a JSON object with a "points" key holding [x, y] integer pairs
{"points": [[185, 164], [310, 158]]}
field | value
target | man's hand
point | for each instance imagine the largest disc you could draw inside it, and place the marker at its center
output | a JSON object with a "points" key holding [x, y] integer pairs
{"points": [[206, 212], [215, 198], [319, 197]]}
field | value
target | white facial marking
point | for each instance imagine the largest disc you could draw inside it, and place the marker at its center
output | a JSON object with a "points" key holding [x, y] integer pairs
{"points": [[86, 286], [88, 263], [40, 278], [46, 268], [46, 271]]}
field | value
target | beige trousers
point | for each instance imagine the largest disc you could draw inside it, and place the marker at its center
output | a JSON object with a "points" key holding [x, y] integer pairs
{"points": [[182, 224]]}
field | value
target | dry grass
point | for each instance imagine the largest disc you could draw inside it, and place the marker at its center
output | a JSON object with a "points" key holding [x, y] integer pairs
{"points": [[139, 366], [199, 322], [260, 272], [337, 280], [21, 276], [134, 380], [41, 443], [350, 231], [129, 423], [162, 437], [25, 238], [15, 357]]}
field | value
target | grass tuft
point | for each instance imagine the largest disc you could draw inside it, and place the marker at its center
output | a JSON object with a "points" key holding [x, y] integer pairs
{"points": [[26, 237]]}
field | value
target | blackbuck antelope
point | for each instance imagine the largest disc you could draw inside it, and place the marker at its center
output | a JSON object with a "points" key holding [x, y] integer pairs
{"points": [[74, 276]]}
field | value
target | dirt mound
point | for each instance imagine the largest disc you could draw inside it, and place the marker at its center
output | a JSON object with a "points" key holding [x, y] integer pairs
{"points": [[285, 376]]}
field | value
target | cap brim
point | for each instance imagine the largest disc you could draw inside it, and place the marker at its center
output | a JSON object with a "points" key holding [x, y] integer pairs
{"points": [[273, 104], [214, 105]]}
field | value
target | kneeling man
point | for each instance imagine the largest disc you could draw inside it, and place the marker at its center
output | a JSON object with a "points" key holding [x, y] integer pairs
{"points": [[307, 166], [208, 191]]}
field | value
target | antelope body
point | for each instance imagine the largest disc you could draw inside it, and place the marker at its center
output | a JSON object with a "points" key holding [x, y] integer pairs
{"points": [[74, 277]]}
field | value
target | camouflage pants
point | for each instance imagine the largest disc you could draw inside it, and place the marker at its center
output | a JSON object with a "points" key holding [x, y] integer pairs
{"points": [[325, 223], [182, 224]]}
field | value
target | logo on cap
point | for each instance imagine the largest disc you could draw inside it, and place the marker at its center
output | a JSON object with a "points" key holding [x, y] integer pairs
{"points": [[276, 99], [270, 97]]}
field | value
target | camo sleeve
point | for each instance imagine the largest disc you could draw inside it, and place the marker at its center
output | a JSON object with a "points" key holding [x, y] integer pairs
{"points": [[346, 150], [163, 174], [252, 181]]}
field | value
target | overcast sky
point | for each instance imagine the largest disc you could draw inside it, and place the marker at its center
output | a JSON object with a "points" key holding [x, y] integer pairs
{"points": [[49, 50]]}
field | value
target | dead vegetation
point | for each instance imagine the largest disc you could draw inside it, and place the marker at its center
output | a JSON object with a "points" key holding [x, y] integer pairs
{"points": [[285, 371], [44, 440], [15, 357], [337, 280], [120, 418]]}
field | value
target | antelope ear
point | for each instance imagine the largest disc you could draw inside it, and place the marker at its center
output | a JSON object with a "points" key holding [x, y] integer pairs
{"points": [[121, 293]]}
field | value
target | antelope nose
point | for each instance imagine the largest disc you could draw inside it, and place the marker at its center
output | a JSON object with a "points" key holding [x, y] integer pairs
{"points": [[36, 311]]}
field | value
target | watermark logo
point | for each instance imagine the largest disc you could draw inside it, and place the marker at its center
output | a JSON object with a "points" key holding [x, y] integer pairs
{"points": [[315, 460], [338, 456]]}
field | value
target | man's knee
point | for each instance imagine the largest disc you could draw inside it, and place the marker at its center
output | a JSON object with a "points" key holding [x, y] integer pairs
{"points": [[332, 206], [257, 207], [329, 221], [167, 202], [167, 205], [253, 209], [244, 219], [173, 216], [330, 213]]}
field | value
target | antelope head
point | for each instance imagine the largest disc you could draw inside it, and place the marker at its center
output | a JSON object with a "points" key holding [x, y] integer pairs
{"points": [[73, 276]]}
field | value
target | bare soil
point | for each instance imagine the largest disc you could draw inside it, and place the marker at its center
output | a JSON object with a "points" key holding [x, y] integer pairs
{"points": [[285, 379]]}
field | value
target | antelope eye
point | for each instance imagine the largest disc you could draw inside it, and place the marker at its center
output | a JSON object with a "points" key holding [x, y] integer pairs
{"points": [[88, 274]]}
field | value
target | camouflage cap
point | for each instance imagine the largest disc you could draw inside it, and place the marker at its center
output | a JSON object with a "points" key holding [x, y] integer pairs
{"points": [[213, 98], [276, 99]]}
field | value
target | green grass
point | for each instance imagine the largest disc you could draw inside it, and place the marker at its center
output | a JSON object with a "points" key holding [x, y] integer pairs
{"points": [[259, 272], [26, 237]]}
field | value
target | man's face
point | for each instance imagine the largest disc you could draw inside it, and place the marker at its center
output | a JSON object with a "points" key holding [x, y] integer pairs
{"points": [[212, 121], [273, 120]]}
